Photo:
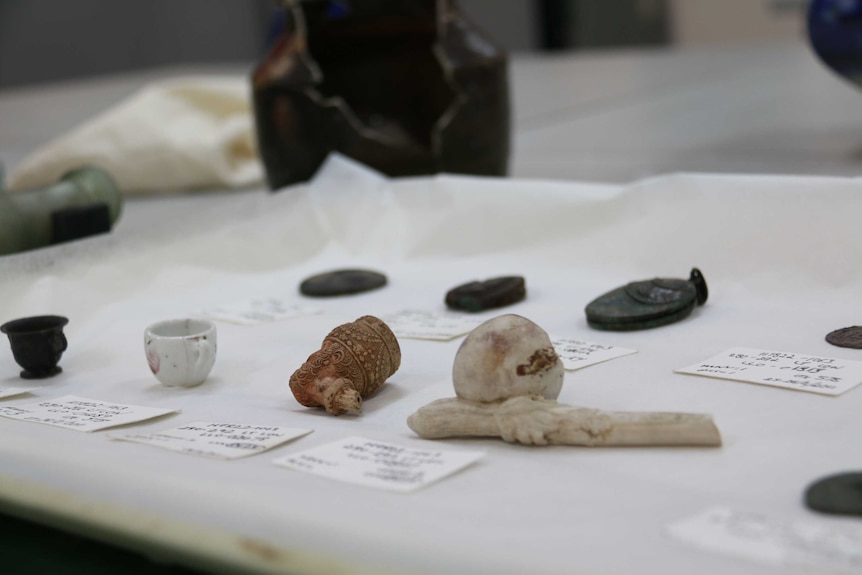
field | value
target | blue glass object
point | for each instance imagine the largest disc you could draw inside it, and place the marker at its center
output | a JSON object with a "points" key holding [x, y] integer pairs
{"points": [[334, 10], [276, 26], [337, 9], [835, 31]]}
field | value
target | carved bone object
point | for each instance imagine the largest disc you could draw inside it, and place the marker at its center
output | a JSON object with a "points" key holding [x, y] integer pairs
{"points": [[507, 376]]}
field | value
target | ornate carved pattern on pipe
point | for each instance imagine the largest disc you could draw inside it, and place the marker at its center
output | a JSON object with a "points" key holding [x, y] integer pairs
{"points": [[507, 377], [354, 361]]}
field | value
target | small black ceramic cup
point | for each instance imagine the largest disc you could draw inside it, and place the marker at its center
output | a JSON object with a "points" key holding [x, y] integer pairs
{"points": [[37, 344]]}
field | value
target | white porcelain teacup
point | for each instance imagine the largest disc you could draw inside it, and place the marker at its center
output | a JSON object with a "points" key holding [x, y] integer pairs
{"points": [[181, 352]]}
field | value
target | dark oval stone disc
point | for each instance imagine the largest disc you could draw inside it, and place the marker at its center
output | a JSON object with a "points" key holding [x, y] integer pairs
{"points": [[846, 337], [342, 282], [839, 494], [488, 294]]}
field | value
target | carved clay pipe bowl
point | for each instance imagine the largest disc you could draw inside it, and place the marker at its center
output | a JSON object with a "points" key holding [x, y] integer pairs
{"points": [[354, 361]]}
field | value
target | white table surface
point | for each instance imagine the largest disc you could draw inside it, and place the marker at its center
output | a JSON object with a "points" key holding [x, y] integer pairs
{"points": [[780, 253]]}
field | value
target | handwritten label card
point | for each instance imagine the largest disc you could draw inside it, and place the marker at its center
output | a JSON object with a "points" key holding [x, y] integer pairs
{"points": [[791, 370], [259, 310], [9, 391], [82, 414], [222, 440], [577, 353], [773, 541], [377, 464], [419, 324]]}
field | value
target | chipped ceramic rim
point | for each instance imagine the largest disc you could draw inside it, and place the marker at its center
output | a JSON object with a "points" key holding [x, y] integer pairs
{"points": [[181, 328]]}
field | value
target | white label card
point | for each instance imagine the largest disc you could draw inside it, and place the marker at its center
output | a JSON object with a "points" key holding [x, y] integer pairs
{"points": [[221, 440], [82, 414], [420, 324], [377, 464], [9, 391], [798, 371], [259, 310], [577, 353], [774, 541]]}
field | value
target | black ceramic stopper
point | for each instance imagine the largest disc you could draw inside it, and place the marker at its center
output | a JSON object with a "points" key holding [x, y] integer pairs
{"points": [[80, 222], [37, 344]]}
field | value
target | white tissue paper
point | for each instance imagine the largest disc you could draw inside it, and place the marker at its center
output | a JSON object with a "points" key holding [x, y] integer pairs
{"points": [[781, 256], [178, 134]]}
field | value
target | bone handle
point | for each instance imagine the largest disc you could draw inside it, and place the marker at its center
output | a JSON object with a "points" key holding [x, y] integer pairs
{"points": [[626, 428], [536, 421], [452, 417]]}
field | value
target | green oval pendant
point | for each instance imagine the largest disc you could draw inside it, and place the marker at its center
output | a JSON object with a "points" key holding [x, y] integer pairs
{"points": [[647, 303]]}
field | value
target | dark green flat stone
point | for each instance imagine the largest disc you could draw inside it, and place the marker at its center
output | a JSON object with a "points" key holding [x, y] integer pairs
{"points": [[648, 303], [342, 282], [839, 494], [489, 294]]}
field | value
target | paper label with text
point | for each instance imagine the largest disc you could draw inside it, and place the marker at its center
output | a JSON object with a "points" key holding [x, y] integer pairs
{"points": [[81, 414], [10, 391], [221, 440], [377, 464], [774, 541], [798, 371], [420, 324], [259, 310], [577, 353]]}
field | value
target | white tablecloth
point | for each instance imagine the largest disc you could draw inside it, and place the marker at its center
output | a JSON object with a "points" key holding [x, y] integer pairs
{"points": [[783, 260]]}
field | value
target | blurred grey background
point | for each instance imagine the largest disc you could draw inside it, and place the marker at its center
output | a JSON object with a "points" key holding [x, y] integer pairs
{"points": [[50, 40]]}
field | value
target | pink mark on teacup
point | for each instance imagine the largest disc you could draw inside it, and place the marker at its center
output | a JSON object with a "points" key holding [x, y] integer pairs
{"points": [[154, 361]]}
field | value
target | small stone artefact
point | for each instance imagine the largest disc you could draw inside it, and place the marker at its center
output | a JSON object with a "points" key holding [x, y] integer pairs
{"points": [[37, 344], [648, 303], [489, 294], [846, 337], [839, 494], [342, 282], [507, 377], [354, 361]]}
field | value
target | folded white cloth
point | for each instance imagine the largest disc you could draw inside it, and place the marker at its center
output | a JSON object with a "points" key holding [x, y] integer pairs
{"points": [[178, 134]]}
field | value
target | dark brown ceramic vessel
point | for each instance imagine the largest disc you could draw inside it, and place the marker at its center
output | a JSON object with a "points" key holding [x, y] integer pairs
{"points": [[407, 87]]}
